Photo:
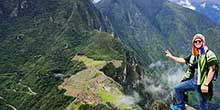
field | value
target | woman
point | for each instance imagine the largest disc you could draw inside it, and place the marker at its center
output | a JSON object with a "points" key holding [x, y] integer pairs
{"points": [[202, 64]]}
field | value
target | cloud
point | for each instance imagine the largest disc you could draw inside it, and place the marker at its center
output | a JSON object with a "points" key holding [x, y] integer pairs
{"points": [[129, 100], [158, 64], [162, 86], [173, 75]]}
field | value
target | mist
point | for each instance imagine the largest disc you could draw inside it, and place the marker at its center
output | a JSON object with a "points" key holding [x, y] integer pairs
{"points": [[161, 86], [129, 99], [168, 72]]}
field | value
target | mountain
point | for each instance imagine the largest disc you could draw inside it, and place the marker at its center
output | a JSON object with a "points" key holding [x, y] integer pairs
{"points": [[95, 1], [40, 41], [149, 27], [65, 54], [185, 3], [209, 8]]}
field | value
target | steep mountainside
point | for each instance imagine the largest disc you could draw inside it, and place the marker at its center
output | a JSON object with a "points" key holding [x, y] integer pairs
{"points": [[56, 54], [38, 41], [210, 8], [151, 26]]}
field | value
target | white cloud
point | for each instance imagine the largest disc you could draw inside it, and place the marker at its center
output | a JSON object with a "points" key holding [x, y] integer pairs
{"points": [[215, 7], [129, 100], [173, 75], [158, 64]]}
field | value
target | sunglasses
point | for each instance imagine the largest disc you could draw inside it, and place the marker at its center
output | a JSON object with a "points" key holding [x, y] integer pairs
{"points": [[198, 41]]}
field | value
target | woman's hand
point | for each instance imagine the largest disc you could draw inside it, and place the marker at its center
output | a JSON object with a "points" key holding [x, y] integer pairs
{"points": [[204, 89], [168, 54], [174, 58]]}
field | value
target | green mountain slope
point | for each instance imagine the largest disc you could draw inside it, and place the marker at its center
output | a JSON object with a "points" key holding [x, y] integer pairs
{"points": [[37, 45], [149, 27], [39, 39]]}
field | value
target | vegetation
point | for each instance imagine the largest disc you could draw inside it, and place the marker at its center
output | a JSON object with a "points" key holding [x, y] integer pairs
{"points": [[37, 47], [150, 27], [40, 38]]}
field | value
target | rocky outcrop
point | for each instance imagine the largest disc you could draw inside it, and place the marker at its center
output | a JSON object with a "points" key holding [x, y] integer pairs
{"points": [[159, 105]]}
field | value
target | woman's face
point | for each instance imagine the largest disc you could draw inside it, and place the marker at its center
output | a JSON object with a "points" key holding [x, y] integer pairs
{"points": [[198, 43]]}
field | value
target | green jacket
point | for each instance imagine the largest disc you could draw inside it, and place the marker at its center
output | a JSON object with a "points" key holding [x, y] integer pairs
{"points": [[205, 61], [202, 63]]}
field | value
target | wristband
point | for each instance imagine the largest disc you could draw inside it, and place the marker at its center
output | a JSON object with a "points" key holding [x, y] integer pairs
{"points": [[206, 85]]}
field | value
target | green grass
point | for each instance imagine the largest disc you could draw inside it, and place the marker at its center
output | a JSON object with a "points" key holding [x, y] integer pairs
{"points": [[36, 47], [106, 96], [88, 62], [125, 107]]}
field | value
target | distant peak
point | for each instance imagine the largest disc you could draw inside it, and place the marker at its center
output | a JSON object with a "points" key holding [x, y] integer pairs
{"points": [[203, 5], [215, 7], [95, 1], [184, 3], [187, 4]]}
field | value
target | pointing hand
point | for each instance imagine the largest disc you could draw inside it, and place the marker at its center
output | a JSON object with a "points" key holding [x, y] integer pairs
{"points": [[168, 54]]}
